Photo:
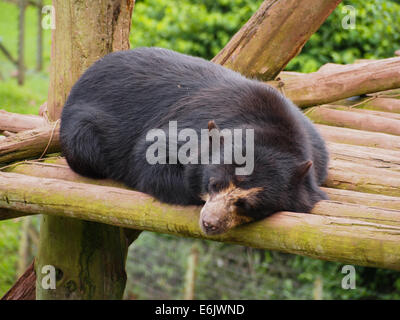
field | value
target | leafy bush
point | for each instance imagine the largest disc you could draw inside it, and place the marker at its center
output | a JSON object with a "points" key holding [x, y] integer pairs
{"points": [[203, 27], [198, 27], [377, 35]]}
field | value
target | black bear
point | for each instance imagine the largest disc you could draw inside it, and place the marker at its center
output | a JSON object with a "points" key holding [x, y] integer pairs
{"points": [[128, 101]]}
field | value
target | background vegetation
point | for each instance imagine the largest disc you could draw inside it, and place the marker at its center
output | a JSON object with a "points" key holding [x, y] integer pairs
{"points": [[202, 28]]}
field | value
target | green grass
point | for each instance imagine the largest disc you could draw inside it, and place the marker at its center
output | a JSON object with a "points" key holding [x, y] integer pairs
{"points": [[19, 99], [27, 98], [9, 243]]}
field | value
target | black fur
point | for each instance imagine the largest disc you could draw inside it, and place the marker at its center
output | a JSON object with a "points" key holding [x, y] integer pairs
{"points": [[125, 94]]}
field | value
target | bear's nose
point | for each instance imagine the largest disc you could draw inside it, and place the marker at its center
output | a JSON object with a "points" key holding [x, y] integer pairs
{"points": [[208, 226]]}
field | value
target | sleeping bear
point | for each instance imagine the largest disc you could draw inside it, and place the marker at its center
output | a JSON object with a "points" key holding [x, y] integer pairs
{"points": [[167, 124]]}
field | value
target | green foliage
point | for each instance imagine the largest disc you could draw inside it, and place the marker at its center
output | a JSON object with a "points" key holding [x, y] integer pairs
{"points": [[157, 265], [199, 27], [371, 283], [377, 35], [203, 27], [25, 99]]}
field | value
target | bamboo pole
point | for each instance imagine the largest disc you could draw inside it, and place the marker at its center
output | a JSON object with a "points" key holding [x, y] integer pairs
{"points": [[274, 35], [363, 235]]}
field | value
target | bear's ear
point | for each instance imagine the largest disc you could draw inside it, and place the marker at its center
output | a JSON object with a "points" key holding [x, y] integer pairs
{"points": [[302, 170], [212, 125]]}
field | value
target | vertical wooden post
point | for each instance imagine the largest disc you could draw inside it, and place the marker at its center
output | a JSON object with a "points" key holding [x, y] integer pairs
{"points": [[318, 288], [89, 258], [190, 278], [21, 41], [39, 50]]}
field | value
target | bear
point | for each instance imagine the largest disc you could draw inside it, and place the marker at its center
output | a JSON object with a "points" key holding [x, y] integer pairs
{"points": [[123, 97]]}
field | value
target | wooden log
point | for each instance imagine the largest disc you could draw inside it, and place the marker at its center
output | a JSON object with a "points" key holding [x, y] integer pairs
{"points": [[371, 157], [359, 109], [365, 199], [96, 32], [383, 104], [57, 168], [324, 87], [30, 144], [82, 37], [373, 240], [14, 122], [357, 177], [360, 138], [367, 172], [353, 120], [358, 212], [274, 35]]}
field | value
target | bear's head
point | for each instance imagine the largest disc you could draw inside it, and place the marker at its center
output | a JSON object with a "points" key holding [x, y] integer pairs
{"points": [[282, 179]]}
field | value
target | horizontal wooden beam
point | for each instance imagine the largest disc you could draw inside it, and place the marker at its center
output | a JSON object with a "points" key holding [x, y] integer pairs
{"points": [[30, 144], [354, 120], [357, 177], [366, 156], [359, 137], [383, 104], [361, 110], [57, 168], [361, 198], [14, 122], [349, 233], [333, 84]]}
